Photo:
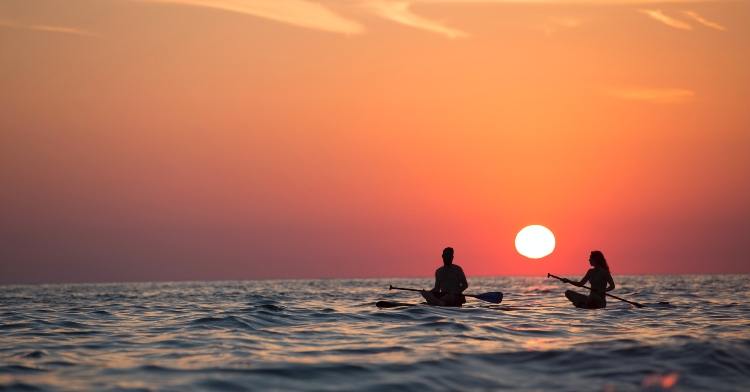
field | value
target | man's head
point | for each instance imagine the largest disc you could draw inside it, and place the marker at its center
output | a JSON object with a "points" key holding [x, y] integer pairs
{"points": [[448, 256]]}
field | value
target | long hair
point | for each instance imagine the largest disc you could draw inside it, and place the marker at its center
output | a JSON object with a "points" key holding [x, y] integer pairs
{"points": [[598, 258]]}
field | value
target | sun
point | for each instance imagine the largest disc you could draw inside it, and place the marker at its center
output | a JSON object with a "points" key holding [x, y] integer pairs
{"points": [[535, 241]]}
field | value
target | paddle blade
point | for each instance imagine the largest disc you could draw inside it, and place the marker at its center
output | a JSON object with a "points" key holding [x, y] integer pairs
{"points": [[492, 297]]}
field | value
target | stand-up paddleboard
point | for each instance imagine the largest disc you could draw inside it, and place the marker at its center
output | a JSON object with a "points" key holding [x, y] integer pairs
{"points": [[389, 304], [494, 297]]}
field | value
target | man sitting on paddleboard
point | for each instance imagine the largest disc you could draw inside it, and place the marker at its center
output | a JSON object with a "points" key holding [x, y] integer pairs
{"points": [[450, 282]]}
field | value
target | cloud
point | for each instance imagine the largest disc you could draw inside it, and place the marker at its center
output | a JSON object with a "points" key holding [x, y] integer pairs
{"points": [[667, 95], [697, 18], [592, 2], [399, 12], [566, 22], [59, 29], [52, 29], [295, 12], [555, 24], [658, 15]]}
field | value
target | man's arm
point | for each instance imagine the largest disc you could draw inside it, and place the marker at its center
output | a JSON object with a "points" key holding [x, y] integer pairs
{"points": [[464, 284], [437, 282]]}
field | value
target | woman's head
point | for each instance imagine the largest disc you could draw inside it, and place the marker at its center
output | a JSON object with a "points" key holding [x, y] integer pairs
{"points": [[597, 259]]}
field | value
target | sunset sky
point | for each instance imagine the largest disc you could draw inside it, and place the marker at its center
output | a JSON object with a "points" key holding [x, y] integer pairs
{"points": [[247, 139]]}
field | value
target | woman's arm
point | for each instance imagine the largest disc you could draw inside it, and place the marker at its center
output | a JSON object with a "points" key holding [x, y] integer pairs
{"points": [[610, 283], [585, 279], [581, 283]]}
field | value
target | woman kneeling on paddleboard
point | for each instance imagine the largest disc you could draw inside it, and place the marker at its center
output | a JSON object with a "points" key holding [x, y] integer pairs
{"points": [[601, 282]]}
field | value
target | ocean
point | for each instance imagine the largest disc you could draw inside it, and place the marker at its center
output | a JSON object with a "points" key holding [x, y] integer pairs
{"points": [[327, 335]]}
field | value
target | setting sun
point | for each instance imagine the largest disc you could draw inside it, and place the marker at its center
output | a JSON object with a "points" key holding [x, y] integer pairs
{"points": [[535, 241]]}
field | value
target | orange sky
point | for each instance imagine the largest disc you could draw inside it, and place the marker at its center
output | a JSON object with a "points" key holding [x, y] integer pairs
{"points": [[241, 139]]}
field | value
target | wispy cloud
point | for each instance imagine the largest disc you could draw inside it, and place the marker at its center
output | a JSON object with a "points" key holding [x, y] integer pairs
{"points": [[295, 12], [60, 29], [52, 29], [666, 95], [399, 12], [555, 24], [592, 2], [694, 16], [658, 15]]}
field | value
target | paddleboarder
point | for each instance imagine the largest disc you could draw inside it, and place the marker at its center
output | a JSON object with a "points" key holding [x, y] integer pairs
{"points": [[450, 282], [601, 282]]}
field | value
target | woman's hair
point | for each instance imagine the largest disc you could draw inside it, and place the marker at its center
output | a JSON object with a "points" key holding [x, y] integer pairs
{"points": [[599, 259]]}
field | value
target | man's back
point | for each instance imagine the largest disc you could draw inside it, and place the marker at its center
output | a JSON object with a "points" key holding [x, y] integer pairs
{"points": [[450, 279]]}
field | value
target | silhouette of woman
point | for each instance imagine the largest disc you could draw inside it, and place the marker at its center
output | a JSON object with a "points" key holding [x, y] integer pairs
{"points": [[601, 282]]}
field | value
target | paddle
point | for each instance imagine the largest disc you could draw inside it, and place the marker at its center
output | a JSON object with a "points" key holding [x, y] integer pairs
{"points": [[637, 305], [494, 297]]}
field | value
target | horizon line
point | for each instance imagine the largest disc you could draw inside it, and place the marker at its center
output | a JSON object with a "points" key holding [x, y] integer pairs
{"points": [[341, 278]]}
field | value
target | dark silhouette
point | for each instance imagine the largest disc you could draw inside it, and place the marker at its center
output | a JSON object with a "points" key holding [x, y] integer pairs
{"points": [[601, 282], [450, 282], [494, 297]]}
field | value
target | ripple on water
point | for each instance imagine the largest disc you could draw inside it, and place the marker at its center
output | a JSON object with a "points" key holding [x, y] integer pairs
{"points": [[12, 326], [36, 354], [18, 369], [274, 308], [222, 322]]}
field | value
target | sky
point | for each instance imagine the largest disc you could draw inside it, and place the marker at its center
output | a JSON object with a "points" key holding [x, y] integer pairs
{"points": [[145, 140]]}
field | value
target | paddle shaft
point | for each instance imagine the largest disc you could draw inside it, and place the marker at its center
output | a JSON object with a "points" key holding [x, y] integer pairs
{"points": [[401, 288], [607, 294]]}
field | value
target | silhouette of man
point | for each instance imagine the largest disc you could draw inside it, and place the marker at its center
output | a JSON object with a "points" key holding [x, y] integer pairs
{"points": [[450, 282]]}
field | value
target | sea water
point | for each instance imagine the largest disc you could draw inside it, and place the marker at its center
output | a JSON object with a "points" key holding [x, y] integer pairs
{"points": [[327, 335]]}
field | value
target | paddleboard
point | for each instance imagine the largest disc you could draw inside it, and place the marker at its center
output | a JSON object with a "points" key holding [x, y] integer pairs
{"points": [[389, 304]]}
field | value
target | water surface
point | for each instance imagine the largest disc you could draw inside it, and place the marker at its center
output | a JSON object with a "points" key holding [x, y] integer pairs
{"points": [[310, 335]]}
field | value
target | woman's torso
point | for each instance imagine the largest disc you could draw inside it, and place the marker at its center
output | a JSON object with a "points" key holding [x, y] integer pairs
{"points": [[598, 279]]}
